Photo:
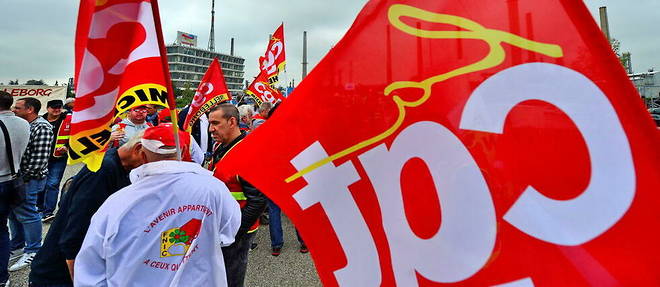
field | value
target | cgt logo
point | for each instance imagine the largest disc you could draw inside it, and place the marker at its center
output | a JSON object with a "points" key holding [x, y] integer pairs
{"points": [[465, 240]]}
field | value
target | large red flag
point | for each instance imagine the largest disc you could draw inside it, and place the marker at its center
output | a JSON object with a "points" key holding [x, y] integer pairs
{"points": [[261, 91], [212, 90], [478, 143], [273, 63], [118, 66]]}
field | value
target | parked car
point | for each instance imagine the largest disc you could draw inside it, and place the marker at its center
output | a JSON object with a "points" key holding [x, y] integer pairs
{"points": [[656, 118]]}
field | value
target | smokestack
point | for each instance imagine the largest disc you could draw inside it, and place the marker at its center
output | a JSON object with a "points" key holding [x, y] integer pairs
{"points": [[231, 49], [604, 22], [304, 61], [212, 36]]}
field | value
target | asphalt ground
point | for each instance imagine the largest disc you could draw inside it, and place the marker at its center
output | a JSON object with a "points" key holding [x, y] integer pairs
{"points": [[290, 268]]}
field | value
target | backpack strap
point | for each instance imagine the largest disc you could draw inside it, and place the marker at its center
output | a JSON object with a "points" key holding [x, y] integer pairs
{"points": [[10, 155]]}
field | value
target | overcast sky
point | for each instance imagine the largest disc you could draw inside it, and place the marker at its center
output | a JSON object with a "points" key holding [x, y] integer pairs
{"points": [[37, 35]]}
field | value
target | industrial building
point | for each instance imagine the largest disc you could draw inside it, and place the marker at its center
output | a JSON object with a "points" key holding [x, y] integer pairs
{"points": [[189, 63]]}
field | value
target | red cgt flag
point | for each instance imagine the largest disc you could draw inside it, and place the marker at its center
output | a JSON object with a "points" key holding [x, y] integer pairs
{"points": [[274, 61], [212, 90], [468, 143], [118, 66], [261, 91]]}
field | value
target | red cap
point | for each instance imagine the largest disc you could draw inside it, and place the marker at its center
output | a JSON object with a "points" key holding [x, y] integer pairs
{"points": [[163, 114], [160, 139]]}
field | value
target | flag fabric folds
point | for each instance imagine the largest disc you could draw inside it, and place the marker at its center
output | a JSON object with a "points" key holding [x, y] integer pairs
{"points": [[261, 91], [212, 91], [273, 63], [118, 66], [469, 143]]}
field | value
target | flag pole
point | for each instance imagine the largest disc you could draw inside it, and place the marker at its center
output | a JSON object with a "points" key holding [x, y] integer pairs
{"points": [[168, 80]]}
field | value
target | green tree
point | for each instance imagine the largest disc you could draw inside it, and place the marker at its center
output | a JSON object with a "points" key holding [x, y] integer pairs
{"points": [[184, 96], [624, 57], [35, 82]]}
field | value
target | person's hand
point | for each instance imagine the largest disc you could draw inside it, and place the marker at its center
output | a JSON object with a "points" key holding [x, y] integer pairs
{"points": [[118, 134], [62, 150]]}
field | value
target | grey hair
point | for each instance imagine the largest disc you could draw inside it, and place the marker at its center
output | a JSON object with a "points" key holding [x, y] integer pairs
{"points": [[134, 139], [245, 110]]}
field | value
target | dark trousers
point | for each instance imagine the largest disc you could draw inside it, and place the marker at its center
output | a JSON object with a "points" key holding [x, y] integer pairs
{"points": [[236, 259], [4, 231]]}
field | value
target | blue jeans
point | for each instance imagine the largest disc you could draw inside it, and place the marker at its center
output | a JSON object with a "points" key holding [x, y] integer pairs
{"points": [[25, 221], [275, 226], [4, 232], [52, 191]]}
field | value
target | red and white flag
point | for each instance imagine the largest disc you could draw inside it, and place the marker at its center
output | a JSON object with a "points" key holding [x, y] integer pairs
{"points": [[118, 66], [261, 91], [212, 91], [469, 143], [273, 63]]}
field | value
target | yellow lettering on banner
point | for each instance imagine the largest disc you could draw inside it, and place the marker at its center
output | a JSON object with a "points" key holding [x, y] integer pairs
{"points": [[472, 30], [144, 94]]}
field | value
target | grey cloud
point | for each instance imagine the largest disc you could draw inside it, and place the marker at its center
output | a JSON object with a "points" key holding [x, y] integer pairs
{"points": [[38, 35]]}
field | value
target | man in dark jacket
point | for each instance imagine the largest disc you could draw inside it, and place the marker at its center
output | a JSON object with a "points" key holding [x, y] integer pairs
{"points": [[53, 264], [223, 125]]}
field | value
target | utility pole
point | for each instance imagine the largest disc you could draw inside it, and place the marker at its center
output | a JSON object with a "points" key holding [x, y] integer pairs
{"points": [[212, 36], [304, 61]]}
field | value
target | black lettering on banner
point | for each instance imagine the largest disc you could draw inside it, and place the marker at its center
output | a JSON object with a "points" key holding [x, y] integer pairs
{"points": [[89, 145], [125, 102], [272, 80], [255, 97], [101, 137], [157, 95], [142, 95], [206, 107], [73, 155]]}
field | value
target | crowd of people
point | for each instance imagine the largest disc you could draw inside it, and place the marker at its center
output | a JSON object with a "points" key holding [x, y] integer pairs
{"points": [[144, 218]]}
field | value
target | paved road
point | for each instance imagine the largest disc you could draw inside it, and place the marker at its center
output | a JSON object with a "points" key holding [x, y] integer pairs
{"points": [[291, 268]]}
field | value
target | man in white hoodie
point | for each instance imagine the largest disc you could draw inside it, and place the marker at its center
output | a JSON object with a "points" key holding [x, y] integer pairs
{"points": [[165, 229]]}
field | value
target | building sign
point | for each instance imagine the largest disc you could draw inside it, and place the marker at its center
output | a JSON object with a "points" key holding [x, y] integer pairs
{"points": [[186, 39], [41, 93]]}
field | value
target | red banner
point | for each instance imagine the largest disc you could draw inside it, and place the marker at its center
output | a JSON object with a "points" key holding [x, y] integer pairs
{"points": [[212, 91], [118, 66], [468, 143], [261, 91], [274, 61]]}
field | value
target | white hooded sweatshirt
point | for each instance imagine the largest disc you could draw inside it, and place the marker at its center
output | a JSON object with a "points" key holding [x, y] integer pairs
{"points": [[165, 229]]}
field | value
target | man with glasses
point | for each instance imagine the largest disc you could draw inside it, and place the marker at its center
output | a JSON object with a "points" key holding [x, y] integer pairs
{"points": [[134, 122]]}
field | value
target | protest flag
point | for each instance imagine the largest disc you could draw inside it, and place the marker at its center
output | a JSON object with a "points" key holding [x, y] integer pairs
{"points": [[273, 63], [469, 143], [120, 63], [212, 91], [261, 91]]}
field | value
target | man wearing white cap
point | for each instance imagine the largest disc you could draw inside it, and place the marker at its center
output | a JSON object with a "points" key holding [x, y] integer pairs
{"points": [[165, 229]]}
